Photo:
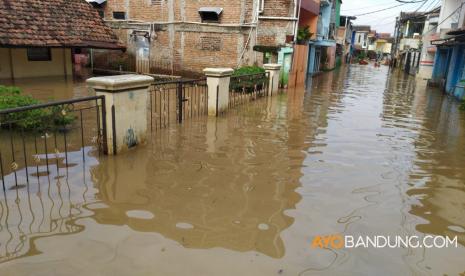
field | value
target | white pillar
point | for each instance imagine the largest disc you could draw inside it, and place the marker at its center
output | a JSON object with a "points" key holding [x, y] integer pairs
{"points": [[218, 80], [274, 70], [126, 98]]}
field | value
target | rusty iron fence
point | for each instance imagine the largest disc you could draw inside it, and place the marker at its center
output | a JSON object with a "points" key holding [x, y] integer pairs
{"points": [[176, 101], [246, 88], [38, 138]]}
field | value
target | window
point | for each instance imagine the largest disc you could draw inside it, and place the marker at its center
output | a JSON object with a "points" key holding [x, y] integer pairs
{"points": [[39, 54], [156, 2], [119, 15], [210, 14]]}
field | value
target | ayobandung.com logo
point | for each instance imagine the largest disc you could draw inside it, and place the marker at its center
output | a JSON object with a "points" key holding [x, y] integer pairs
{"points": [[338, 241]]}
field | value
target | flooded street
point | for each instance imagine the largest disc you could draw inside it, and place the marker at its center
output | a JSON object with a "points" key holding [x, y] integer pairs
{"points": [[363, 151]]}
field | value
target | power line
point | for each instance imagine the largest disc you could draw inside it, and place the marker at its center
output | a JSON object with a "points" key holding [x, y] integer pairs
{"points": [[444, 20], [389, 8], [368, 7]]}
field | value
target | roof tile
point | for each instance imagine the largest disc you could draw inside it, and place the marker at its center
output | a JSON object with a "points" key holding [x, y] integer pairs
{"points": [[54, 23]]}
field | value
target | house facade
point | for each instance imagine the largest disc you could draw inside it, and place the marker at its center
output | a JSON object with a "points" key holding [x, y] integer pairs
{"points": [[360, 37], [188, 36], [383, 44], [322, 49], [309, 17], [449, 62], [36, 41], [344, 36], [406, 50], [428, 51]]}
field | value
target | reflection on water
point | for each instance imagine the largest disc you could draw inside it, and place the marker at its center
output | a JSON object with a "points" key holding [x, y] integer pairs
{"points": [[362, 152], [52, 88], [46, 206], [228, 178]]}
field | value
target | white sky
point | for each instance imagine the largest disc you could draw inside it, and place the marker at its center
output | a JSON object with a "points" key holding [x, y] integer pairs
{"points": [[382, 22]]}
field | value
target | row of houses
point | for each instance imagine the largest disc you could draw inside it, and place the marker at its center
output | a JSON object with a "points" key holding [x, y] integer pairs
{"points": [[431, 46], [170, 36], [179, 37], [371, 43], [184, 37]]}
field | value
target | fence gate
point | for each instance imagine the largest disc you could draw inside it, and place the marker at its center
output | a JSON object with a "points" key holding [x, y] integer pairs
{"points": [[176, 101]]}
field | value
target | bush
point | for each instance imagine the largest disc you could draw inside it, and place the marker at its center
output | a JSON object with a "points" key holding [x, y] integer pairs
{"points": [[43, 118], [248, 70], [303, 35], [247, 84], [462, 106]]}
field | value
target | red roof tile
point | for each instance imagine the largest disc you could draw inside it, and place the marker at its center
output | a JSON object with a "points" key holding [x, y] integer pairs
{"points": [[53, 23]]}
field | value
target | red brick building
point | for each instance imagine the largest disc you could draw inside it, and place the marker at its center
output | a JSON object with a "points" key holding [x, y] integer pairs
{"points": [[191, 35]]}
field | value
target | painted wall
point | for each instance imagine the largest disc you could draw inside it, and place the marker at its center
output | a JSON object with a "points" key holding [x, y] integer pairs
{"points": [[5, 71], [361, 40], [441, 65], [312, 6], [309, 19], [285, 59], [456, 67], [428, 51], [22, 68], [448, 16], [338, 13], [323, 21]]}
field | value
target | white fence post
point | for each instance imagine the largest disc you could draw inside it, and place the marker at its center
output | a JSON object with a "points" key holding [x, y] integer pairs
{"points": [[218, 80], [126, 98], [274, 70]]}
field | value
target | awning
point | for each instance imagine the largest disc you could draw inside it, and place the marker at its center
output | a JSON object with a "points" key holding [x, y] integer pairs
{"points": [[216, 10], [456, 32], [266, 49], [96, 1]]}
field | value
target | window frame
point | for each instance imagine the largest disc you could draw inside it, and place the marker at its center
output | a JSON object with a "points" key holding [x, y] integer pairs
{"points": [[36, 56], [120, 13]]}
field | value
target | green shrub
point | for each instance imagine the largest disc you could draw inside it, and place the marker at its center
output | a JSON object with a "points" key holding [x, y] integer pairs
{"points": [[303, 35], [462, 106], [43, 118], [244, 83], [248, 70]]}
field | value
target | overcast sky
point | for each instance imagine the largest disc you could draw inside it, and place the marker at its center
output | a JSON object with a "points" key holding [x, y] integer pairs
{"points": [[382, 22]]}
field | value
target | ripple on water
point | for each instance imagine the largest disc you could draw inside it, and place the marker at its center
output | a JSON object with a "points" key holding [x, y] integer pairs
{"points": [[456, 228], [263, 226], [184, 225], [140, 214]]}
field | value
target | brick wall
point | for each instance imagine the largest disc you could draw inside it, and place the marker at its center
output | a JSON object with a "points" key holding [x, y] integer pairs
{"points": [[190, 46], [281, 8]]}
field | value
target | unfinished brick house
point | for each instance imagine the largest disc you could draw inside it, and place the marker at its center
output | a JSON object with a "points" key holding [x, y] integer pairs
{"points": [[188, 36]]}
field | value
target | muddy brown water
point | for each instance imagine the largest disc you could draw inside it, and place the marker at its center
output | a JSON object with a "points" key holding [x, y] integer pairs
{"points": [[361, 152]]}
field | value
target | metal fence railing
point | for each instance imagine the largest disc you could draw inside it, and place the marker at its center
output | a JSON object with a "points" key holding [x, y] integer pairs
{"points": [[176, 101], [38, 138], [247, 87]]}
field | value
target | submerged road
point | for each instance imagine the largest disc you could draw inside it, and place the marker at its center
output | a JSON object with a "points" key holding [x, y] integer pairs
{"points": [[362, 151]]}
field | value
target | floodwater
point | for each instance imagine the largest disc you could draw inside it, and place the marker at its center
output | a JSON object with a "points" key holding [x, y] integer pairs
{"points": [[48, 89], [361, 152]]}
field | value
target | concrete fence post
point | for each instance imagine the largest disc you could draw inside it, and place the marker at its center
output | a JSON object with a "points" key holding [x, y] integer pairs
{"points": [[273, 69], [126, 99], [218, 80]]}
